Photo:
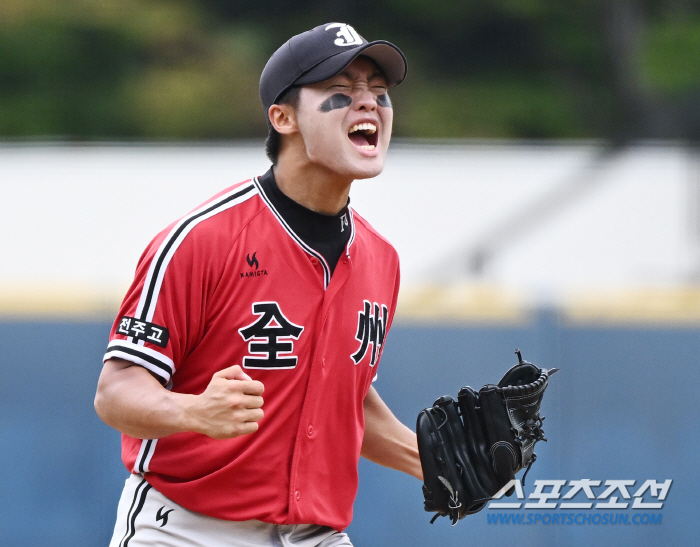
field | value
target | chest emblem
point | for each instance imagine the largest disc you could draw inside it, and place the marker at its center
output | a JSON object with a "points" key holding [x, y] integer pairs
{"points": [[254, 264], [270, 338], [371, 328], [252, 261]]}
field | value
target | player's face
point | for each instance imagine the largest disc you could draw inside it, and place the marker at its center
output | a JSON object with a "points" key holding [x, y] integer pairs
{"points": [[346, 121]]}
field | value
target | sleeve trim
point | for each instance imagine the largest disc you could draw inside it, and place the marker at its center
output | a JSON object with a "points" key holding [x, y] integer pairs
{"points": [[155, 362]]}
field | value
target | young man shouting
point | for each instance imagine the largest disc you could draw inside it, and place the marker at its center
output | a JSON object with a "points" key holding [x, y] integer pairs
{"points": [[240, 367]]}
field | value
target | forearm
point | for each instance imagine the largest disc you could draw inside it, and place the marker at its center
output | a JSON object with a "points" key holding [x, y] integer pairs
{"points": [[133, 402], [387, 441]]}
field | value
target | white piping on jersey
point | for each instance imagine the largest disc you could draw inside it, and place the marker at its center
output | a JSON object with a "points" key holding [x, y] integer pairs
{"points": [[299, 241], [154, 361], [156, 271], [143, 460]]}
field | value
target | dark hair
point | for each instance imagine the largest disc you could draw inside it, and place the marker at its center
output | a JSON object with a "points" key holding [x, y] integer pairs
{"points": [[272, 143]]}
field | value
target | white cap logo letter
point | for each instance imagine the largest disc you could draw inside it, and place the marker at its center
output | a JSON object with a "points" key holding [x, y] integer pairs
{"points": [[347, 36]]}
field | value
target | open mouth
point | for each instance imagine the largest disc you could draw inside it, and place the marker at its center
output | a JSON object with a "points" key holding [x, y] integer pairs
{"points": [[364, 135]]}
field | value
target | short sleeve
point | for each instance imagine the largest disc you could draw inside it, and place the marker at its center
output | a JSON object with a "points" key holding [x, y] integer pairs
{"points": [[161, 317]]}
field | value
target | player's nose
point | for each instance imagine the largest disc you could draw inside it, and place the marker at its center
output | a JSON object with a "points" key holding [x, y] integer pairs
{"points": [[364, 99]]}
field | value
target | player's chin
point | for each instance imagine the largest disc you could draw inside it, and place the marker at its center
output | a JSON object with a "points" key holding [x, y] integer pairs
{"points": [[367, 168], [367, 164]]}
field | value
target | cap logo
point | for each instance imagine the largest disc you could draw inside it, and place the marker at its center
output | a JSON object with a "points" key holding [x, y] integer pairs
{"points": [[347, 36]]}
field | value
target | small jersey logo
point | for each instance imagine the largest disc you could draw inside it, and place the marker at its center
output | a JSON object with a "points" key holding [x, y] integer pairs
{"points": [[344, 222], [160, 515], [270, 338], [143, 330], [252, 261], [346, 35], [371, 328]]}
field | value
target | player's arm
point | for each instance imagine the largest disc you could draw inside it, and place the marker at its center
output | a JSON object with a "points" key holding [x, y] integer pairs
{"points": [[132, 401], [387, 441]]}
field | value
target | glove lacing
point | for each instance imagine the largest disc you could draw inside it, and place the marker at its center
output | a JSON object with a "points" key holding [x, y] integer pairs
{"points": [[532, 431], [454, 504]]}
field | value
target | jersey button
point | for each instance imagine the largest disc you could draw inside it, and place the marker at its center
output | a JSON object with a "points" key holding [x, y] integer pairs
{"points": [[310, 430], [314, 261], [297, 495]]}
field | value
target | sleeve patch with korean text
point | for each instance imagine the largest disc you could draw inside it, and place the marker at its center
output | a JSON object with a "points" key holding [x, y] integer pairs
{"points": [[143, 330]]}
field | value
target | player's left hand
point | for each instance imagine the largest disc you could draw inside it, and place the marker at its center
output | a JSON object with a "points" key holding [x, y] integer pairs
{"points": [[473, 447]]}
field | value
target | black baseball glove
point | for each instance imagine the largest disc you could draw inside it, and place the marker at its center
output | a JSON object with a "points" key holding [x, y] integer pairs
{"points": [[471, 448]]}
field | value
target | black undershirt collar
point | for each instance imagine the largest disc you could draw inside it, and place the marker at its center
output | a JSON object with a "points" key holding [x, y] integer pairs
{"points": [[326, 234]]}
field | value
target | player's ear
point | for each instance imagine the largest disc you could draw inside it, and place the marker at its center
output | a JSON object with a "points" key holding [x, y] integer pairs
{"points": [[283, 118]]}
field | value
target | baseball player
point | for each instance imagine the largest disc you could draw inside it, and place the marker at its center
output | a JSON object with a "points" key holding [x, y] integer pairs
{"points": [[240, 367]]}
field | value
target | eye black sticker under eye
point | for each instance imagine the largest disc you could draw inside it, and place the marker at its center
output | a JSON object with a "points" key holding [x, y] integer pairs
{"points": [[335, 101], [384, 100]]}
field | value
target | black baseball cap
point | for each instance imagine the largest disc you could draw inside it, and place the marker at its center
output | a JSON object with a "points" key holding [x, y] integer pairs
{"points": [[321, 53]]}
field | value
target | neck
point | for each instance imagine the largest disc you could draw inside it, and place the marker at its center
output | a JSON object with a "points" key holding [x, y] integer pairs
{"points": [[311, 185]]}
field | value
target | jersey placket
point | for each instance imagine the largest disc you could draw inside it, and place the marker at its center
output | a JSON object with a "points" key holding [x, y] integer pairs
{"points": [[305, 431]]}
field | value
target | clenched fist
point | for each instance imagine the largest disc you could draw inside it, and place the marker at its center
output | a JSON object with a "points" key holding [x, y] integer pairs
{"points": [[230, 406]]}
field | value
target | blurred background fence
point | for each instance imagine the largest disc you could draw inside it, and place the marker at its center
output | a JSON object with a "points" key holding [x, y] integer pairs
{"points": [[543, 192]]}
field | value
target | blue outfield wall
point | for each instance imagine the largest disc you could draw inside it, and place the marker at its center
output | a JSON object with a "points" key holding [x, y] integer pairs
{"points": [[623, 407]]}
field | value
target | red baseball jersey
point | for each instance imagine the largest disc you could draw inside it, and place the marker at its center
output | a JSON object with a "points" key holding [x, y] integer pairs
{"points": [[231, 283]]}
